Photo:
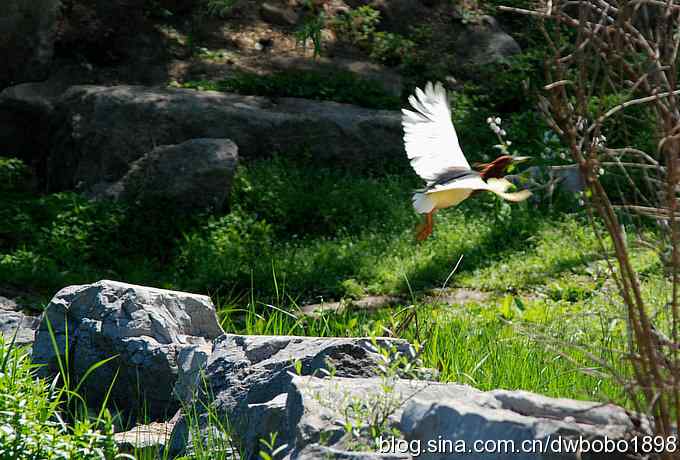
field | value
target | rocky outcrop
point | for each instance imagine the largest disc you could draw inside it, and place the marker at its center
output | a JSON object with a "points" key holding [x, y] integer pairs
{"points": [[27, 32], [482, 42], [249, 376], [142, 329], [99, 132], [336, 398], [319, 413], [194, 175]]}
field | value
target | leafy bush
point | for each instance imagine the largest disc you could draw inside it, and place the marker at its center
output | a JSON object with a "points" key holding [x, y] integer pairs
{"points": [[219, 8], [359, 27], [47, 242], [13, 173], [391, 48], [30, 428]]}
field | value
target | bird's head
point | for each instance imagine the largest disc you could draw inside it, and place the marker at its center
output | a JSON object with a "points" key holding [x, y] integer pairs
{"points": [[500, 167]]}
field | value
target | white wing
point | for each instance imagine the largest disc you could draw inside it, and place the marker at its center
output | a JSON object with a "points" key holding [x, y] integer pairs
{"points": [[429, 136], [497, 186]]}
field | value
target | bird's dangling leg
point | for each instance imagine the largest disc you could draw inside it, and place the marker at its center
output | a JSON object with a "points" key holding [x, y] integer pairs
{"points": [[425, 229]]}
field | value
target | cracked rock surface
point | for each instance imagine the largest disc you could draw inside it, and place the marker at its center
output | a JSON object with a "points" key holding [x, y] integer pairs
{"points": [[143, 328]]}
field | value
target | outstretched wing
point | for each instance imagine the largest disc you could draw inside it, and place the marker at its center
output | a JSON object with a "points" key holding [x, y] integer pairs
{"points": [[475, 182], [429, 136]]}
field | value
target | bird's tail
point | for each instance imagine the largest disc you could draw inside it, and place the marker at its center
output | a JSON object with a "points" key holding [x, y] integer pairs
{"points": [[422, 203]]}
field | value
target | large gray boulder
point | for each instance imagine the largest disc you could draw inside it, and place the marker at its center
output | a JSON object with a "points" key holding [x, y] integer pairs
{"points": [[248, 378], [99, 132], [143, 328], [27, 32], [194, 175]]}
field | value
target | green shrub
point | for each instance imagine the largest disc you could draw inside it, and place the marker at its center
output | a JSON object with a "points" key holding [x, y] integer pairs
{"points": [[391, 48], [219, 8], [13, 173], [359, 27]]}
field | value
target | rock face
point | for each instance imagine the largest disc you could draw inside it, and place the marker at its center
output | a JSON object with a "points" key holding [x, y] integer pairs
{"points": [[320, 409], [16, 325], [483, 43], [27, 30], [144, 328], [194, 175], [249, 376], [100, 131], [25, 111]]}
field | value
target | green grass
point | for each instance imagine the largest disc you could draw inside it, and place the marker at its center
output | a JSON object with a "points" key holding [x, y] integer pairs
{"points": [[480, 345], [32, 423], [339, 86]]}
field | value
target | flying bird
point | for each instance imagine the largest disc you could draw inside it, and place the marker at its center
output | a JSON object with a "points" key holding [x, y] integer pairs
{"points": [[432, 147]]}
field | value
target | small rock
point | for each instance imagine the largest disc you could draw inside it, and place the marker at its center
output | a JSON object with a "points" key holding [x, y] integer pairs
{"points": [[18, 326], [145, 440], [8, 304], [264, 44], [279, 15]]}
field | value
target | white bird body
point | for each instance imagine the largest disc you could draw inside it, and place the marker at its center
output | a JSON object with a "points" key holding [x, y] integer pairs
{"points": [[432, 147]]}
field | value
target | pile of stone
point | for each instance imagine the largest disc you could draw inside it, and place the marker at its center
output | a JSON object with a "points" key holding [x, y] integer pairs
{"points": [[342, 398]]}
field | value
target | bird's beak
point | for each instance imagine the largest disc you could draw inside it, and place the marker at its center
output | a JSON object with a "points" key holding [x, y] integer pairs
{"points": [[517, 160]]}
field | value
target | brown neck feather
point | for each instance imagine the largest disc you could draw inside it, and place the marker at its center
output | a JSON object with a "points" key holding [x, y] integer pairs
{"points": [[495, 169]]}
